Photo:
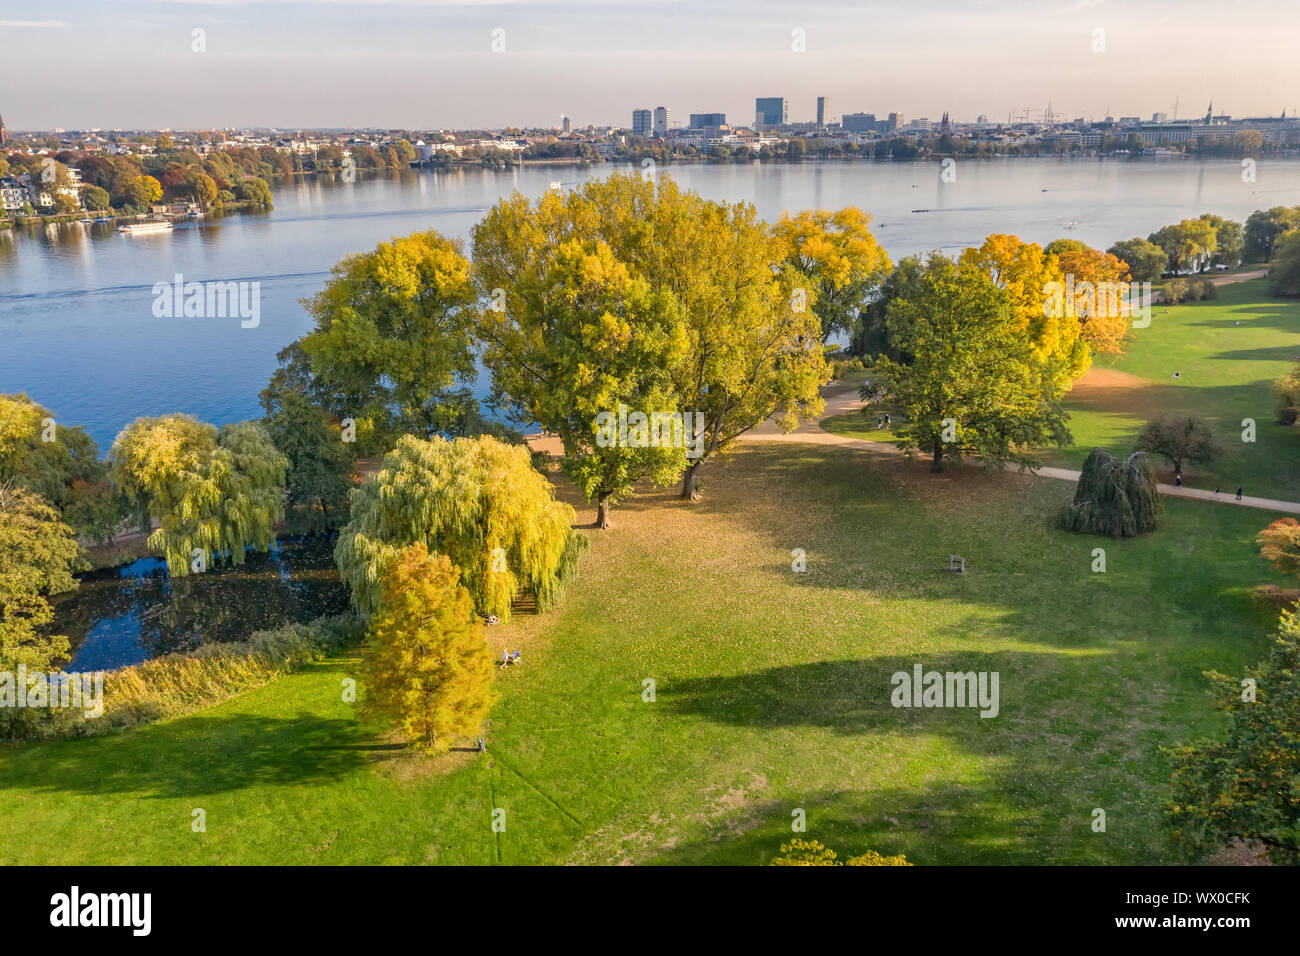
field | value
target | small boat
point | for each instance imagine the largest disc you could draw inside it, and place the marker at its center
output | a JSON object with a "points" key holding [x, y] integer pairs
{"points": [[103, 219], [556, 184], [145, 226], [85, 219]]}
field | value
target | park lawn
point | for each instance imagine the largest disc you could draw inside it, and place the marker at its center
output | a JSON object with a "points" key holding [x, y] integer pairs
{"points": [[771, 694], [1225, 375]]}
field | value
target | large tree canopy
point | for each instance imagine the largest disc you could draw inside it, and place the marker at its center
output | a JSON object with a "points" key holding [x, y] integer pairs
{"points": [[1098, 278], [478, 501], [28, 460], [218, 492], [38, 555], [971, 380], [393, 343], [1115, 498], [752, 351], [837, 260]]}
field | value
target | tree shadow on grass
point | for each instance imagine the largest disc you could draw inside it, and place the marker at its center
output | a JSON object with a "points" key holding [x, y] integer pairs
{"points": [[192, 756]]}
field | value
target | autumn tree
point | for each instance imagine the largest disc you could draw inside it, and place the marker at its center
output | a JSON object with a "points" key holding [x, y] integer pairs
{"points": [[1190, 244], [1027, 274], [1146, 261], [578, 337], [974, 382], [1243, 786], [217, 492], [1180, 439], [1279, 544], [836, 260], [426, 667], [392, 343], [478, 501], [38, 555], [1286, 396], [1099, 279]]}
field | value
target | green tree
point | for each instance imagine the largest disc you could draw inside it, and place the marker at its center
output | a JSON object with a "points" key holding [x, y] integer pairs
{"points": [[478, 501], [204, 189], [50, 467], [1243, 786], [321, 463], [95, 198], [426, 666], [1284, 275], [836, 261], [974, 383], [253, 189], [1190, 244], [1115, 498], [1180, 439], [1264, 227], [1146, 261], [393, 343], [38, 555], [1229, 240], [215, 491]]}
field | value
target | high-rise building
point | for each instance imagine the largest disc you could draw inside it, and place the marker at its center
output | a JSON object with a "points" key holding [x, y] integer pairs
{"points": [[821, 111], [661, 121], [4, 133], [858, 122], [895, 121], [641, 123], [566, 124], [708, 120], [771, 111]]}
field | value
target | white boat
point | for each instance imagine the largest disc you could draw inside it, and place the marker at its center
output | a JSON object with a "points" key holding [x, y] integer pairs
{"points": [[145, 226]]}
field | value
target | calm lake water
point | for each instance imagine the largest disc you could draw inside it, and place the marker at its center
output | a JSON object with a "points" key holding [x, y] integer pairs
{"points": [[76, 301]]}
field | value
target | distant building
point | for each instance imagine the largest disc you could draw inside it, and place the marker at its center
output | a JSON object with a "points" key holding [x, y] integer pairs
{"points": [[641, 123], [708, 120], [858, 122], [821, 111], [894, 122], [771, 111], [13, 194], [661, 121], [4, 133], [566, 124]]}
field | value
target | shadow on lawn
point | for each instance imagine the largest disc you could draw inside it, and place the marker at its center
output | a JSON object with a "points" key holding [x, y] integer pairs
{"points": [[194, 756]]}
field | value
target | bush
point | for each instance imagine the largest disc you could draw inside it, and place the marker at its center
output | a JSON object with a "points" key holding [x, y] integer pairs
{"points": [[182, 683], [842, 366], [811, 853]]}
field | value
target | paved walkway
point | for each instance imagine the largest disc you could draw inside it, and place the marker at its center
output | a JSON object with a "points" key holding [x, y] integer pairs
{"points": [[842, 399]]}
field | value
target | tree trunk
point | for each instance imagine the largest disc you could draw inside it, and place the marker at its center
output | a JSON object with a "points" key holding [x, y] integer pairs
{"points": [[688, 483], [937, 464], [602, 512]]}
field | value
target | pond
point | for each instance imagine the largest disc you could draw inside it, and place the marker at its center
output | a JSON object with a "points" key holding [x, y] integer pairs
{"points": [[124, 615]]}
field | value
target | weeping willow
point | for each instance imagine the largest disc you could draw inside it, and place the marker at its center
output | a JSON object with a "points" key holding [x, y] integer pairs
{"points": [[478, 501], [1115, 498], [218, 492]]}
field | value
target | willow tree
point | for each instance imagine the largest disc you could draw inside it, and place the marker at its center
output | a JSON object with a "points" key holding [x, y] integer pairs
{"points": [[218, 492], [425, 665], [1115, 498], [578, 338], [476, 500]]}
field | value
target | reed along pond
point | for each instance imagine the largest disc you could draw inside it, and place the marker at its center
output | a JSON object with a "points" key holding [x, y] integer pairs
{"points": [[124, 615]]}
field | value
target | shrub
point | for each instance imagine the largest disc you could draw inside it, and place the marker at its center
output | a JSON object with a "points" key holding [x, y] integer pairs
{"points": [[811, 853], [182, 683]]}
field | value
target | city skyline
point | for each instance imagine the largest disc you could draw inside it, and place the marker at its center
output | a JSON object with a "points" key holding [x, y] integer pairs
{"points": [[417, 64]]}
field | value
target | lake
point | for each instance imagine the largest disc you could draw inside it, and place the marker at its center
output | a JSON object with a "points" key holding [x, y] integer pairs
{"points": [[76, 301]]}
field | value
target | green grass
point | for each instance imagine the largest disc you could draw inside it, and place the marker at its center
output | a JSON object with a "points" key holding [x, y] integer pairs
{"points": [[1225, 373], [772, 694]]}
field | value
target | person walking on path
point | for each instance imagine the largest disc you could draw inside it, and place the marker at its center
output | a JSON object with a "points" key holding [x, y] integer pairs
{"points": [[1239, 492], [1178, 480]]}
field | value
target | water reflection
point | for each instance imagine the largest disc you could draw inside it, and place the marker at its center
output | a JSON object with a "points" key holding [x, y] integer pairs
{"points": [[125, 615]]}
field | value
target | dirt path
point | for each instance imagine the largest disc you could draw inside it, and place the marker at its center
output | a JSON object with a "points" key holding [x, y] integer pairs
{"points": [[842, 399]]}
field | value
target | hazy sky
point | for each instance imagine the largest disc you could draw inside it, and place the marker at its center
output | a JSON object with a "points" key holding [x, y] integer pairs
{"points": [[429, 63]]}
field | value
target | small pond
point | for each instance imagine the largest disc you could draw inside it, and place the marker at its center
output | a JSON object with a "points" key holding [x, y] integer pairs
{"points": [[125, 615]]}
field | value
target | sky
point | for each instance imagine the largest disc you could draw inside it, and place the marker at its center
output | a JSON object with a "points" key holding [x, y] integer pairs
{"points": [[428, 64]]}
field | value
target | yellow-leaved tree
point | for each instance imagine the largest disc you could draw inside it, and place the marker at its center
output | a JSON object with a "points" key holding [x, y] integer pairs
{"points": [[426, 667], [477, 500]]}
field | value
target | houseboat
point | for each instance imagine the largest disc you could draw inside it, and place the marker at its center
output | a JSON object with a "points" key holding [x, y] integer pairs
{"points": [[145, 227]]}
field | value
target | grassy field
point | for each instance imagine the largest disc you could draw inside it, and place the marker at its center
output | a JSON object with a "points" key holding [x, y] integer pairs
{"points": [[772, 693], [1225, 372]]}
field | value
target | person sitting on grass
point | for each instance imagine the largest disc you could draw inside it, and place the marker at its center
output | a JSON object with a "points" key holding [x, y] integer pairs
{"points": [[508, 658]]}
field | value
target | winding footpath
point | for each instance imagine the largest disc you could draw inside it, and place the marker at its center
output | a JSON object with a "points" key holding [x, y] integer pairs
{"points": [[842, 399]]}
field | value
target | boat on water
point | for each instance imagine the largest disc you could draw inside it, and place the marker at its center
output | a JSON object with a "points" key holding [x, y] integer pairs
{"points": [[145, 226]]}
